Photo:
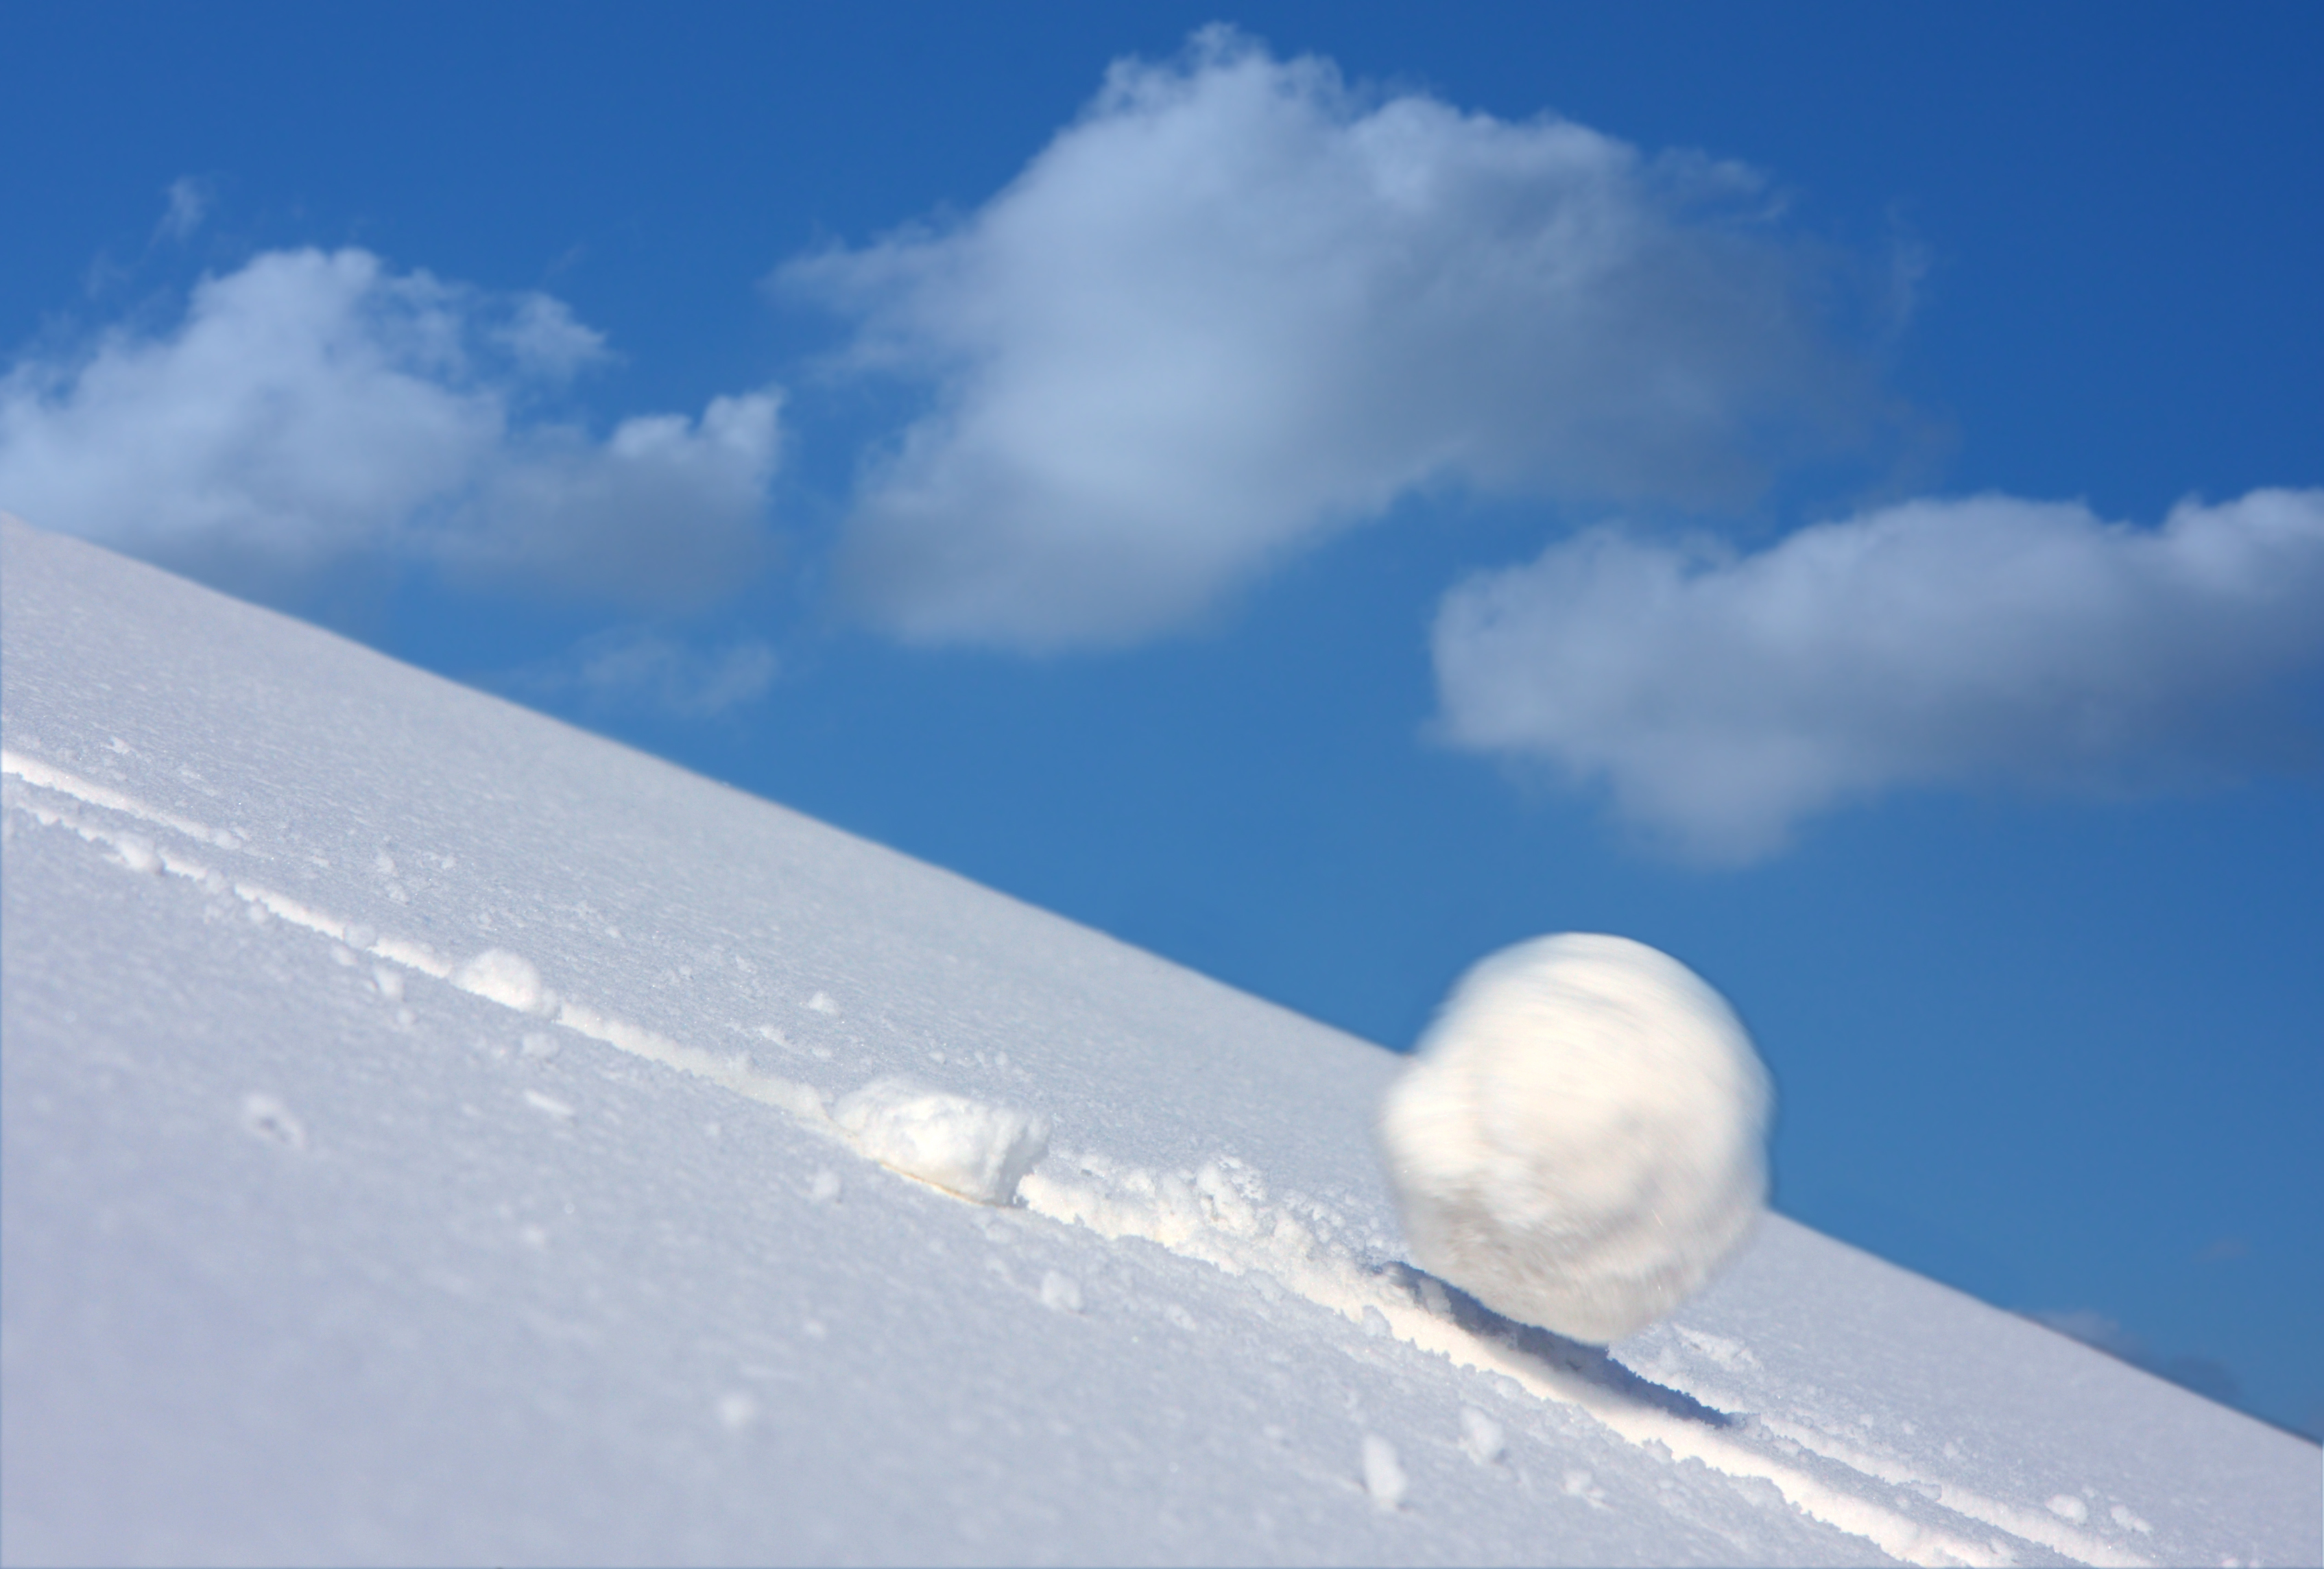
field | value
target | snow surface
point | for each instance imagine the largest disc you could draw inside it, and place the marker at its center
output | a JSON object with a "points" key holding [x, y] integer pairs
{"points": [[426, 1135], [1583, 1141]]}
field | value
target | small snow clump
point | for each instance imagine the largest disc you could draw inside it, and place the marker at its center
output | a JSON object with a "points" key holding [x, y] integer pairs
{"points": [[1581, 1143], [1482, 1439], [1060, 1293], [1384, 1477], [505, 978], [977, 1150]]}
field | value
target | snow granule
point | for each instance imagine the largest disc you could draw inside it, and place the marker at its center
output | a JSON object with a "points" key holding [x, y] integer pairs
{"points": [[971, 1147], [1582, 1140]]}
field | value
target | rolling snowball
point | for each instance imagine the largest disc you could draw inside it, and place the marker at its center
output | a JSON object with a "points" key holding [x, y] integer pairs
{"points": [[1581, 1141]]}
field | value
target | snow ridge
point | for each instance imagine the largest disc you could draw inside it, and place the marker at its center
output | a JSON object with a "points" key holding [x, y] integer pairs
{"points": [[1222, 1213]]}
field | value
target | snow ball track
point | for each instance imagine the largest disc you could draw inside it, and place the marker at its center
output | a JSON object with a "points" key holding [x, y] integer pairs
{"points": [[1222, 1213]]}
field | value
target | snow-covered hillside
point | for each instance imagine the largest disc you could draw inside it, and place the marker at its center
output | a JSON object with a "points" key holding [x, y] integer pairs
{"points": [[434, 1133]]}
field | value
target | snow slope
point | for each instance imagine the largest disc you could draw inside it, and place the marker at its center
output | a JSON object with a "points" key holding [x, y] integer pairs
{"points": [[433, 1133]]}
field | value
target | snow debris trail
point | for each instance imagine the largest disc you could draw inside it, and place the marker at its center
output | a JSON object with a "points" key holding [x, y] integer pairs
{"points": [[1220, 1213], [966, 1147], [495, 974]]}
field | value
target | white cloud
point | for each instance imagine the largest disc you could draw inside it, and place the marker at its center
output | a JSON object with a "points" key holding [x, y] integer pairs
{"points": [[629, 668], [189, 203], [1722, 698], [313, 406], [1236, 307]]}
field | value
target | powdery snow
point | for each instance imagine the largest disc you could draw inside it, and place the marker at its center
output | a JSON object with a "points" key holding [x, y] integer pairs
{"points": [[314, 1251]]}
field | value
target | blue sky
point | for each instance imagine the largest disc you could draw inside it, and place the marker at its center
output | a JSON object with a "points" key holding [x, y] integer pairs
{"points": [[1829, 492]]}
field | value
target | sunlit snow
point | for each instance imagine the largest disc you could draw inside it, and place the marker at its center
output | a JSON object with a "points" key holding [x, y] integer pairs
{"points": [[432, 1133]]}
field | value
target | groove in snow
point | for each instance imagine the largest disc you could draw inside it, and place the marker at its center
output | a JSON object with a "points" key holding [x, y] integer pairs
{"points": [[1220, 1214]]}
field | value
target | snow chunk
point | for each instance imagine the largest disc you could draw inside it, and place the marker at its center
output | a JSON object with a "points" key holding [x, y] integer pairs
{"points": [[970, 1148], [505, 978], [2067, 1506], [1060, 1293], [1583, 1141], [1384, 1477], [1482, 1439]]}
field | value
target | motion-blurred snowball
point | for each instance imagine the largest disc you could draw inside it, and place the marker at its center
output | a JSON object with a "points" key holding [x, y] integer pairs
{"points": [[1581, 1143]]}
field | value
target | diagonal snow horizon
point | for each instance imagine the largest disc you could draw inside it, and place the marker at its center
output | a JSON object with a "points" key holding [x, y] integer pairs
{"points": [[394, 1169]]}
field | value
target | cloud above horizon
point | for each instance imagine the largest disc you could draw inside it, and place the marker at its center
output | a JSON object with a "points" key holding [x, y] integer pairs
{"points": [[316, 406], [1722, 698], [1239, 306]]}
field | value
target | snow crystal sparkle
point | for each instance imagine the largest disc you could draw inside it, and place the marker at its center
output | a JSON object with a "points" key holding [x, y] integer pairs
{"points": [[1582, 1140]]}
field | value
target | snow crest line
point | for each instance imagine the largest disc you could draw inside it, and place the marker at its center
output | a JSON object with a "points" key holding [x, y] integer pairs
{"points": [[1220, 1214]]}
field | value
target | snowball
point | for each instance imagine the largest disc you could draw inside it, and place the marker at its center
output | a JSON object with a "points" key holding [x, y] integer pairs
{"points": [[966, 1147], [1581, 1141]]}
